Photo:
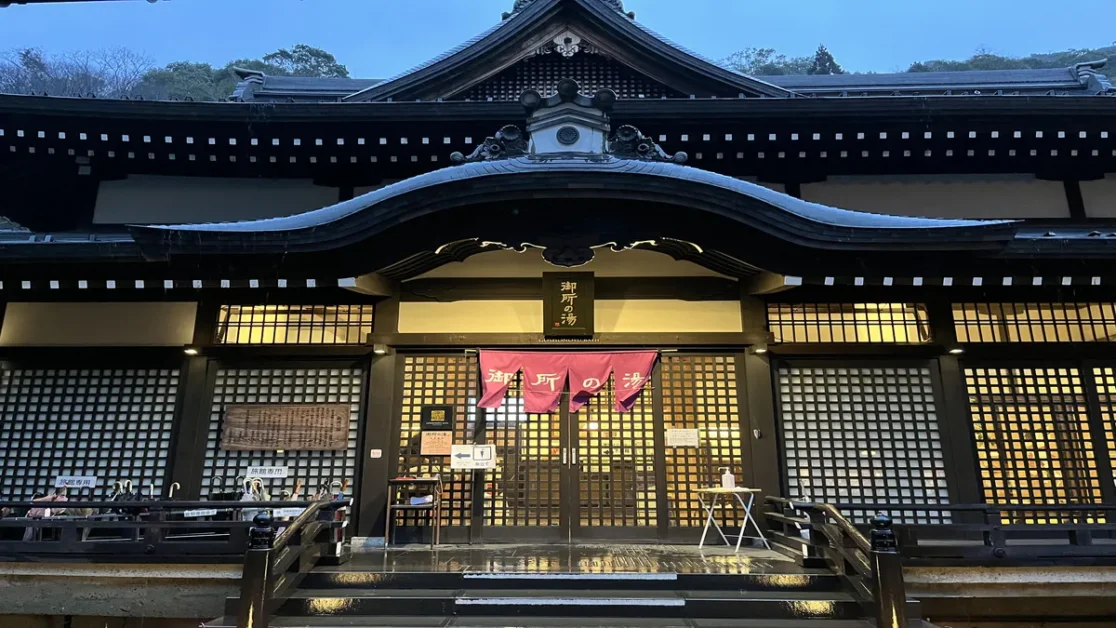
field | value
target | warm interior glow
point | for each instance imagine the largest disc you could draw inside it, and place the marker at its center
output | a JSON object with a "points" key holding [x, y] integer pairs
{"points": [[294, 324], [905, 323], [1035, 322]]}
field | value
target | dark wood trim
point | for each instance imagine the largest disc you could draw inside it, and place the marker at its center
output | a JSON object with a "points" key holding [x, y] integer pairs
{"points": [[1074, 200], [195, 398], [607, 288], [756, 386], [1102, 454], [658, 421], [380, 429], [378, 433], [655, 340], [793, 188], [959, 449]]}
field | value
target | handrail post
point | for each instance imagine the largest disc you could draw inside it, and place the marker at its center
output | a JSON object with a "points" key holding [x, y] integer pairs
{"points": [[255, 582], [887, 575]]}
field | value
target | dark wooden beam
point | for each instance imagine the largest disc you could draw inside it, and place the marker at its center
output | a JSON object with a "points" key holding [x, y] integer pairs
{"points": [[1074, 199], [608, 288], [375, 284], [767, 283], [698, 339], [377, 430]]}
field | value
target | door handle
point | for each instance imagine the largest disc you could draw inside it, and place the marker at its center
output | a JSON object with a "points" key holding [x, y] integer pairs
{"points": [[564, 455], [573, 452]]}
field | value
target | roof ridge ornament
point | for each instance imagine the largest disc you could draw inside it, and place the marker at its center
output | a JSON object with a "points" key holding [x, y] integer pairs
{"points": [[509, 141], [630, 143], [616, 5]]}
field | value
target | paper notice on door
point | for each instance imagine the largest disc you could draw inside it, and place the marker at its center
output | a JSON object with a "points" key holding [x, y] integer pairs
{"points": [[436, 443], [681, 438]]}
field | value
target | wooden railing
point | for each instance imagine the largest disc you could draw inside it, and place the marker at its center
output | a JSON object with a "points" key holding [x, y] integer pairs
{"points": [[871, 565], [996, 535], [147, 531], [275, 565]]}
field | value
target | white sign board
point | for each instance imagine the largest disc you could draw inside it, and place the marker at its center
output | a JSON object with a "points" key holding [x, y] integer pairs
{"points": [[473, 457], [204, 512], [376, 453], [681, 438], [267, 472], [75, 481], [286, 512]]}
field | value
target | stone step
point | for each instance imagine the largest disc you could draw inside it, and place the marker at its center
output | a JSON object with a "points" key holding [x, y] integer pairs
{"points": [[802, 580], [547, 622]]}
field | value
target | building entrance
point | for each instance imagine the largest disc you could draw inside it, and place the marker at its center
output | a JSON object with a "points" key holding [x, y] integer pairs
{"points": [[592, 474]]}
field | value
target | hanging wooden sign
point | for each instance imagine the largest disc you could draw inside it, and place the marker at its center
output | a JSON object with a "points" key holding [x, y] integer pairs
{"points": [[315, 427], [568, 304]]}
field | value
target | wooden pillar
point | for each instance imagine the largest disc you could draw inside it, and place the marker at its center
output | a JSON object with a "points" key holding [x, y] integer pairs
{"points": [[959, 452], [757, 399], [379, 429], [192, 409]]}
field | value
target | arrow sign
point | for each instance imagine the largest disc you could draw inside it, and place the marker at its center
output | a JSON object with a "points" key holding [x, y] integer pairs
{"points": [[473, 457]]}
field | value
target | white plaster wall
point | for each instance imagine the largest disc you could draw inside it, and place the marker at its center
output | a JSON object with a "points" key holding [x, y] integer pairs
{"points": [[606, 263], [161, 324], [952, 196], [142, 199], [1100, 197]]}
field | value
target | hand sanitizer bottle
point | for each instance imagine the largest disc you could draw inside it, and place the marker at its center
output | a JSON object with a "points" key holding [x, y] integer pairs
{"points": [[728, 480]]}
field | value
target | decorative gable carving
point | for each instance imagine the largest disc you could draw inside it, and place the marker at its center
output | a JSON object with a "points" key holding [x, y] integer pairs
{"points": [[591, 70]]}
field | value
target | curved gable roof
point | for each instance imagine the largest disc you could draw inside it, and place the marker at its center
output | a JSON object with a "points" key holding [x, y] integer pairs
{"points": [[506, 43]]}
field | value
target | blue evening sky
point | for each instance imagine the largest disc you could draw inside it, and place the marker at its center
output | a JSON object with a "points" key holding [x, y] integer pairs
{"points": [[378, 38]]}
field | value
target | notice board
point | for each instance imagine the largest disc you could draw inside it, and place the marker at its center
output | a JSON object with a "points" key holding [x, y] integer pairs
{"points": [[295, 427]]}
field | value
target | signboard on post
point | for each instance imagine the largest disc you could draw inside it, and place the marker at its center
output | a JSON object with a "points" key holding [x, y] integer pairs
{"points": [[473, 457], [568, 304]]}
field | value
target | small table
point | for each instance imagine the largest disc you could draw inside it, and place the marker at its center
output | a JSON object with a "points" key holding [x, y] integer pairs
{"points": [[711, 520]]}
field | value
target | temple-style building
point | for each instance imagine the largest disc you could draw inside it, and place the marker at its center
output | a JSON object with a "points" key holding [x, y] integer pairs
{"points": [[884, 292]]}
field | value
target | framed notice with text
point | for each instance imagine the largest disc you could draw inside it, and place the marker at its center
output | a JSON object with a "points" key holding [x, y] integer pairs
{"points": [[568, 304], [292, 426]]}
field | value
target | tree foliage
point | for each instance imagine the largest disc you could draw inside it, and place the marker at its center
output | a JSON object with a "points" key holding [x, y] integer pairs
{"points": [[768, 62], [122, 73], [824, 63]]}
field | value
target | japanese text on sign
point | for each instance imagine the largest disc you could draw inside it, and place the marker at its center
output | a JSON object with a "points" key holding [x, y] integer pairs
{"points": [[267, 472], [569, 295], [313, 427], [75, 481]]}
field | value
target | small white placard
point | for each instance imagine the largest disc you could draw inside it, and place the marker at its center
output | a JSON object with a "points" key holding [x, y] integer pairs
{"points": [[75, 481], [376, 453], [473, 457], [681, 438], [204, 512], [267, 472], [286, 512]]}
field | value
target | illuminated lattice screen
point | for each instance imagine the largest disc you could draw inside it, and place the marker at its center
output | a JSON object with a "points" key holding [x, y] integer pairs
{"points": [[439, 381], [1033, 439], [1034, 322], [849, 322], [862, 435], [699, 392], [115, 424], [294, 324], [283, 385], [526, 487], [1106, 391]]}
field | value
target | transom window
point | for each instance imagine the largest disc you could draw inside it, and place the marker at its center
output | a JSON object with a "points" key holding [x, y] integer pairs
{"points": [[849, 322], [1035, 322], [294, 324]]}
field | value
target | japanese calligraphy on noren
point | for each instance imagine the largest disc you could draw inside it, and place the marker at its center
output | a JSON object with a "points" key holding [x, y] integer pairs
{"points": [[316, 427], [568, 304]]}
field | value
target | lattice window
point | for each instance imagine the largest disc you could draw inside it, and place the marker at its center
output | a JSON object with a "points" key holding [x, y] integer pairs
{"points": [[616, 462], [1033, 439], [592, 72], [861, 435], [439, 381], [115, 424], [283, 385], [525, 489], [699, 392], [294, 324], [849, 322], [1105, 377], [1035, 322]]}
